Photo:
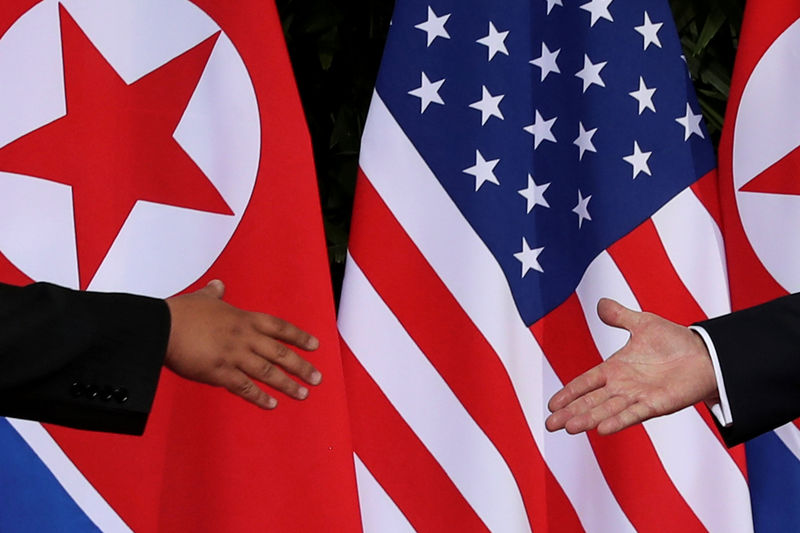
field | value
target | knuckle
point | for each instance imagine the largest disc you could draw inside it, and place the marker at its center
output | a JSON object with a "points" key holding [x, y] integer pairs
{"points": [[587, 401], [626, 418], [228, 346], [219, 363], [236, 329], [267, 371], [650, 409], [281, 352], [243, 387]]}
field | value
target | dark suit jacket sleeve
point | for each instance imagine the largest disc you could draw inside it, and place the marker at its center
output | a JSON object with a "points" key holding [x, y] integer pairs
{"points": [[759, 356], [80, 359]]}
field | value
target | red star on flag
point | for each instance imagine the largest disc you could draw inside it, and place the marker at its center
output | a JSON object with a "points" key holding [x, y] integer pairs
{"points": [[115, 145]]}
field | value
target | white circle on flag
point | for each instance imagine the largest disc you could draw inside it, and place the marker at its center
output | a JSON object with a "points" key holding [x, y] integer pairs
{"points": [[160, 249], [767, 128]]}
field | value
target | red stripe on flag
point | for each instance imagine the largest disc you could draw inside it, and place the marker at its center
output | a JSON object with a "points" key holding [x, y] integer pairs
{"points": [[715, 192], [628, 459], [706, 189], [448, 338], [399, 461], [641, 257]]}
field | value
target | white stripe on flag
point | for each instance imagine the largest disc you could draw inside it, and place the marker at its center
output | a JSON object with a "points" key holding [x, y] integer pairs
{"points": [[379, 514], [701, 469], [34, 95], [395, 363], [68, 475], [573, 463], [790, 436], [409, 188], [44, 209], [694, 245]]}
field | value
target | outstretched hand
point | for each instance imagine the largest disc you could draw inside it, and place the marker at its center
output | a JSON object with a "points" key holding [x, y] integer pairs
{"points": [[663, 368], [215, 343]]}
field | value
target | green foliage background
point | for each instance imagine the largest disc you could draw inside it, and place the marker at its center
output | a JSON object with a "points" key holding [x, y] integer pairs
{"points": [[335, 48]]}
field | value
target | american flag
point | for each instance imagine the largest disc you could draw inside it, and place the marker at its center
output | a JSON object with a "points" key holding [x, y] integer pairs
{"points": [[521, 160]]}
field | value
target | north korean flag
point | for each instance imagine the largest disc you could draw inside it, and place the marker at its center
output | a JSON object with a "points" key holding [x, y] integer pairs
{"points": [[759, 168], [149, 147]]}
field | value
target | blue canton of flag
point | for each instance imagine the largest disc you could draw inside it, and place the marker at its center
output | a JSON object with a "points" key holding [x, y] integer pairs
{"points": [[556, 129]]}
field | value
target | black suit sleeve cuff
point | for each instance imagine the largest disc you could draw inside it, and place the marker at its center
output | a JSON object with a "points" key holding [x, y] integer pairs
{"points": [[759, 355], [106, 352]]}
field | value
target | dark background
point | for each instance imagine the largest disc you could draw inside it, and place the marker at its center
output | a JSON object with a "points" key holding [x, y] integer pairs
{"points": [[335, 48]]}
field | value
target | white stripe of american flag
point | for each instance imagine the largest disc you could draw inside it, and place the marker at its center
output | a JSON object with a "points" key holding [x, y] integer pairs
{"points": [[379, 514], [790, 436]]}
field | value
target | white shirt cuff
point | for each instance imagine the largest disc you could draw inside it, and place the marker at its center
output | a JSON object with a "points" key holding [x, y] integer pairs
{"points": [[722, 409]]}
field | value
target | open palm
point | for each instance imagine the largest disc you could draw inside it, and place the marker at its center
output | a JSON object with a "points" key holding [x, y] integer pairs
{"points": [[663, 368]]}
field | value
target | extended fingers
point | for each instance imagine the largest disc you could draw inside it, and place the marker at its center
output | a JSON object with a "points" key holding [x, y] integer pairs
{"points": [[577, 414], [630, 415], [269, 361], [272, 352], [583, 384], [272, 375], [239, 384], [280, 329], [604, 409], [608, 415]]}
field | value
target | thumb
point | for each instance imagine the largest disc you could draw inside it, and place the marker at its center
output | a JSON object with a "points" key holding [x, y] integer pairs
{"points": [[615, 314], [214, 289]]}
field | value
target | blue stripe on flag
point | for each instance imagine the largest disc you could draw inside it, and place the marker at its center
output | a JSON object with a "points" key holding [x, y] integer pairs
{"points": [[33, 500], [773, 472]]}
